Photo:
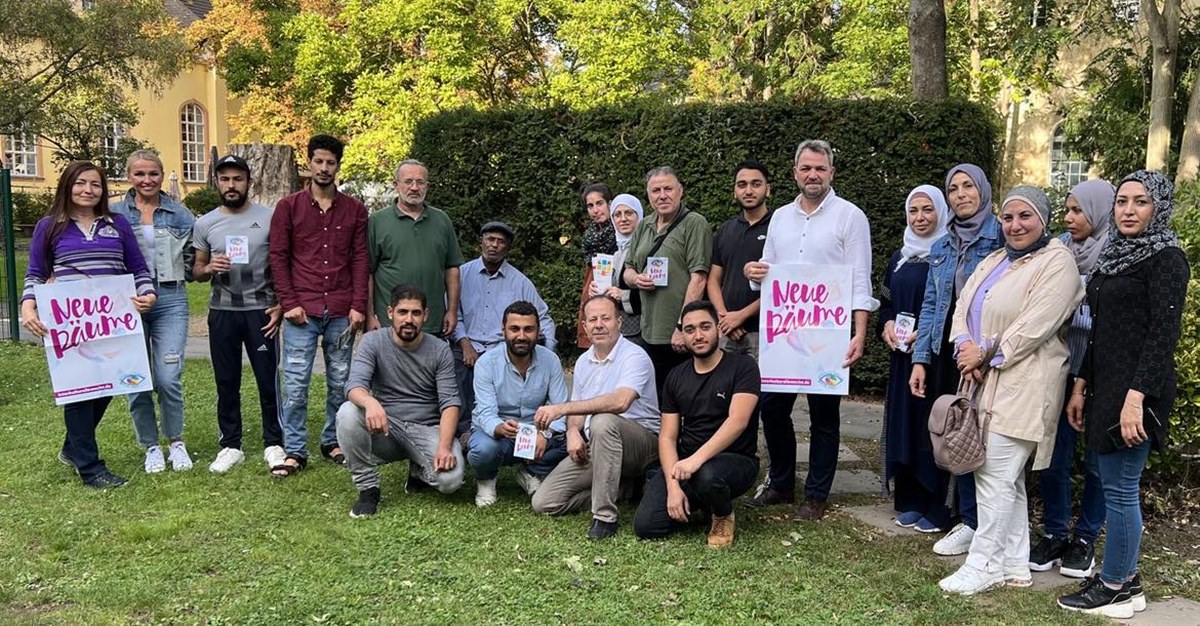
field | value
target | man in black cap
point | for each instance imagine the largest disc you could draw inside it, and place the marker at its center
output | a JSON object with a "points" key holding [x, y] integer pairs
{"points": [[489, 285], [231, 251]]}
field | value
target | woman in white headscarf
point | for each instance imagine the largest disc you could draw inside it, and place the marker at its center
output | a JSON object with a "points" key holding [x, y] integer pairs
{"points": [[919, 486], [1088, 218], [625, 215]]}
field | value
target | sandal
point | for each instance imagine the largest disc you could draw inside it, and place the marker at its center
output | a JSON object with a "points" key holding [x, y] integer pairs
{"points": [[327, 452], [289, 469]]}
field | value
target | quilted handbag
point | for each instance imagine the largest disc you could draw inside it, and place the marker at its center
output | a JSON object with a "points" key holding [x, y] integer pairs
{"points": [[958, 433]]}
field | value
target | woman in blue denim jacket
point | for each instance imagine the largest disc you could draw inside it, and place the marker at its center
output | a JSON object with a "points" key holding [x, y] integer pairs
{"points": [[974, 234], [164, 233]]}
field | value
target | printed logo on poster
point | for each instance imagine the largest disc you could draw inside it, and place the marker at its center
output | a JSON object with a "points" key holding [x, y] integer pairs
{"points": [[95, 344], [804, 329]]}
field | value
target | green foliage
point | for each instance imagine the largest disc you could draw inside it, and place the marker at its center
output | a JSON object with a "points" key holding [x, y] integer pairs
{"points": [[528, 165], [53, 55], [29, 207], [202, 200], [1185, 418]]}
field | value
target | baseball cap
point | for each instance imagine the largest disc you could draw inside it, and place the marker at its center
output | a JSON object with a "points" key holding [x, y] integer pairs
{"points": [[233, 160]]}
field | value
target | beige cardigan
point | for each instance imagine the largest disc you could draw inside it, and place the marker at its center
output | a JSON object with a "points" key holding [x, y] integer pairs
{"points": [[1025, 315]]}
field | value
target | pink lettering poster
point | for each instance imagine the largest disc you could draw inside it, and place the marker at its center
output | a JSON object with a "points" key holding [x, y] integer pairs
{"points": [[804, 329], [95, 345]]}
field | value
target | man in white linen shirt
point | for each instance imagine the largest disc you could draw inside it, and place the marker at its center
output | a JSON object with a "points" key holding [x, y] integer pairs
{"points": [[817, 228]]}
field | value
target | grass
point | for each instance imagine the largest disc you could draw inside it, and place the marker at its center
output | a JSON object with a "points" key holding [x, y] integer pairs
{"points": [[244, 548]]}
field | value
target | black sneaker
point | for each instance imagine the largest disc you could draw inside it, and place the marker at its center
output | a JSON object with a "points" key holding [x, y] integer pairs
{"points": [[1095, 598], [1047, 553], [1078, 559], [415, 484], [766, 496], [65, 460], [367, 503], [105, 480], [1138, 595], [602, 530]]}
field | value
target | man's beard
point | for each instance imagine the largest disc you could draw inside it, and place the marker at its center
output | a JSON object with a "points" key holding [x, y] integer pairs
{"points": [[233, 203], [520, 348], [413, 331], [713, 346]]}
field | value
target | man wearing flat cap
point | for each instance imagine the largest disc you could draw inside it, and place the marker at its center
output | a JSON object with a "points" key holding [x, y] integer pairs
{"points": [[414, 244], [489, 285]]}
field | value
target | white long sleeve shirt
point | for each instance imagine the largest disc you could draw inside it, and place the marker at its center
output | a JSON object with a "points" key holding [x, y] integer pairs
{"points": [[836, 233]]}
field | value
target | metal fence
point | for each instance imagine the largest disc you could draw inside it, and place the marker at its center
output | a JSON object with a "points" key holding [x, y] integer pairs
{"points": [[10, 323]]}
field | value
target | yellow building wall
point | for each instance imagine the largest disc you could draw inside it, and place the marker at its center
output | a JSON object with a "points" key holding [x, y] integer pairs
{"points": [[159, 125]]}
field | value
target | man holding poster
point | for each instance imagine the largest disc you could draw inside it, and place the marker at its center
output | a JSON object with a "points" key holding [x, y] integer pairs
{"points": [[802, 308]]}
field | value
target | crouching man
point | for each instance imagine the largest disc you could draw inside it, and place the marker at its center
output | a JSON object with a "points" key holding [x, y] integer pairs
{"points": [[403, 404], [510, 385], [708, 444]]}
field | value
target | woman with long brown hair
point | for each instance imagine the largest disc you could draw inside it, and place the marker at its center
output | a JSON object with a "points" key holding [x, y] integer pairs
{"points": [[81, 239]]}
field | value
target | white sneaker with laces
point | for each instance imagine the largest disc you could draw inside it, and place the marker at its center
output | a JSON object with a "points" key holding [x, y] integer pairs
{"points": [[957, 541], [226, 459], [969, 581], [1018, 574], [527, 481], [154, 460], [274, 456], [485, 493], [181, 461]]}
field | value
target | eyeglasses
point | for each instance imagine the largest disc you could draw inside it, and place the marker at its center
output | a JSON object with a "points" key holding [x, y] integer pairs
{"points": [[413, 182]]}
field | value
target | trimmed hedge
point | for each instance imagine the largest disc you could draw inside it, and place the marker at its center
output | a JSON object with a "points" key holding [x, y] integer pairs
{"points": [[527, 166]]}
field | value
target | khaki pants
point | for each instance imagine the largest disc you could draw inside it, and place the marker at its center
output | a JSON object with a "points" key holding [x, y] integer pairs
{"points": [[619, 448]]}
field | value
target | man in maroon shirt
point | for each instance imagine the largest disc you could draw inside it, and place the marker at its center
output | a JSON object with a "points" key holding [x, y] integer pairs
{"points": [[318, 251]]}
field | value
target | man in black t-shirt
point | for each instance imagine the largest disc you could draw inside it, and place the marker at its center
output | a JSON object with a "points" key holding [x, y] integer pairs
{"points": [[708, 444]]}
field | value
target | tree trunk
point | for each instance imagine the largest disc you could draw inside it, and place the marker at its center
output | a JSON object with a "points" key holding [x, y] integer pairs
{"points": [[1164, 39], [1188, 169], [927, 47], [976, 57], [273, 172]]}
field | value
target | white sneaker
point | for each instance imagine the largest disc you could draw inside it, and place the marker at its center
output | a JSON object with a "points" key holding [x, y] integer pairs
{"points": [[181, 461], [154, 460], [485, 494], [226, 459], [1018, 574], [969, 581], [527, 481], [274, 456], [957, 541]]}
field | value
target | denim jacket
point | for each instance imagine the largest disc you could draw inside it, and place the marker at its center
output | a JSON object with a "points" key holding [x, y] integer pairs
{"points": [[939, 286], [170, 256]]}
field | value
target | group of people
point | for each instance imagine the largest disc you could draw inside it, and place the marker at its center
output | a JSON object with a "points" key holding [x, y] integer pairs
{"points": [[457, 364]]}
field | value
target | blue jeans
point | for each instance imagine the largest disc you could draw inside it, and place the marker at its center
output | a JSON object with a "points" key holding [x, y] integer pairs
{"points": [[1056, 489], [166, 326], [299, 350], [968, 513], [1121, 478], [486, 454]]}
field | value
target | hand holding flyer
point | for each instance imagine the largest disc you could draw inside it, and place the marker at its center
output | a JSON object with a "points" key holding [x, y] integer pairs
{"points": [[237, 248], [602, 271], [656, 269], [526, 444], [904, 327]]}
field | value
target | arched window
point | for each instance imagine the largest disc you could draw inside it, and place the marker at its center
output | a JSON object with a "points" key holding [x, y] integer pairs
{"points": [[195, 143], [1067, 167]]}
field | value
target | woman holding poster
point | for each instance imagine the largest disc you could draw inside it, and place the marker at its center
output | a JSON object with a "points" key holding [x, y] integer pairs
{"points": [[80, 239], [919, 488], [598, 238], [626, 215], [973, 234], [164, 231], [1009, 333]]}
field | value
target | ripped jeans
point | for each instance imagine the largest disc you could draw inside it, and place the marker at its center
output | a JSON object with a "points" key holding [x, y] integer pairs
{"points": [[166, 327], [299, 350]]}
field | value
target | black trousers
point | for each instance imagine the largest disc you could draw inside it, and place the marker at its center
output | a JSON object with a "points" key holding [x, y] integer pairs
{"points": [[712, 488], [81, 419], [228, 332], [665, 359], [825, 429]]}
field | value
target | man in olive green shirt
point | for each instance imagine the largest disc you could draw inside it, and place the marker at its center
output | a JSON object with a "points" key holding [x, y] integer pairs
{"points": [[686, 244], [414, 243]]}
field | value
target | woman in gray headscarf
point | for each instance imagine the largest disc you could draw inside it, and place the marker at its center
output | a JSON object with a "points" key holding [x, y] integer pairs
{"points": [[1088, 216], [1010, 341], [1126, 385]]}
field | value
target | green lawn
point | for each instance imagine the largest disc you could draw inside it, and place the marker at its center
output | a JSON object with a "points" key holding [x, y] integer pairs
{"points": [[244, 548]]}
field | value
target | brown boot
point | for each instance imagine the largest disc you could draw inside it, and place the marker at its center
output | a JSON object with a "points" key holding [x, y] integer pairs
{"points": [[811, 510], [720, 535]]}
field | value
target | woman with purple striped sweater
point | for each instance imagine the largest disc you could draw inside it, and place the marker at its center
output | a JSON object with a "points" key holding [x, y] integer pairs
{"points": [[80, 239]]}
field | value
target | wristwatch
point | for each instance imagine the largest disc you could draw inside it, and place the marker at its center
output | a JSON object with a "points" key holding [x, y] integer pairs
{"points": [[548, 434]]}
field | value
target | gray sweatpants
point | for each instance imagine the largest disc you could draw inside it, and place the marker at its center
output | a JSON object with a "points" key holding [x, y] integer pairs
{"points": [[366, 451], [619, 448]]}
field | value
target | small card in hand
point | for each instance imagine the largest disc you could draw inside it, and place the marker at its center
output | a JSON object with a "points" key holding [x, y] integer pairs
{"points": [[526, 446]]}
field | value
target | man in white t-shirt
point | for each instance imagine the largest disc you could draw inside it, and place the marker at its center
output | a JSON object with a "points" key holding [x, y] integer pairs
{"points": [[817, 228], [612, 423]]}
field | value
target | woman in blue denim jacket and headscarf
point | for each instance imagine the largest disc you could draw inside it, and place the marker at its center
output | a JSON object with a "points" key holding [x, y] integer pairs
{"points": [[974, 234], [163, 228]]}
